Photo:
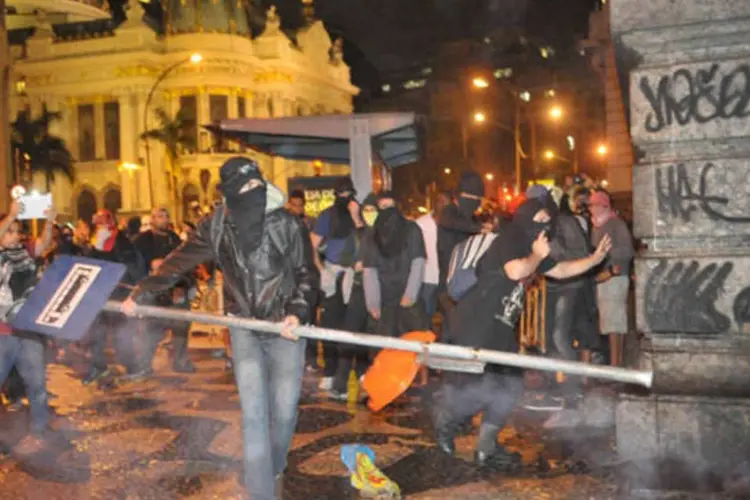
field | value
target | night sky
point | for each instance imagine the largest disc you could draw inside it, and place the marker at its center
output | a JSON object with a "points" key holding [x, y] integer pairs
{"points": [[390, 36]]}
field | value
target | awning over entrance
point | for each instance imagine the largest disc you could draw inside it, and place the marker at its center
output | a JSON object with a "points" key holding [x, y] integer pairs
{"points": [[389, 138]]}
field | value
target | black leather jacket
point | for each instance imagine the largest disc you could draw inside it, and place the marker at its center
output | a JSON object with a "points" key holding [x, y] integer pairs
{"points": [[272, 282]]}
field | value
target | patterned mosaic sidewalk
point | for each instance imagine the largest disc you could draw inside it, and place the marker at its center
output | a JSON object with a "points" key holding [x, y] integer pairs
{"points": [[178, 437]]}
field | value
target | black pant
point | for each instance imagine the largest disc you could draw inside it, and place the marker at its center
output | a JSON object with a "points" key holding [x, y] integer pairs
{"points": [[494, 393], [123, 330], [152, 332], [571, 315], [332, 314], [356, 319]]}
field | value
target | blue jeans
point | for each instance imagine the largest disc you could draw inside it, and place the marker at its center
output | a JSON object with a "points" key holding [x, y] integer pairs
{"points": [[26, 352], [269, 372]]}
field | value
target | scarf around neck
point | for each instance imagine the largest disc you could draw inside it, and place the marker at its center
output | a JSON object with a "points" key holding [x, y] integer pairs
{"points": [[389, 232]]}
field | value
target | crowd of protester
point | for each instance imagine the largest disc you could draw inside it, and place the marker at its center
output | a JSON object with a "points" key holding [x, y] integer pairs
{"points": [[461, 270]]}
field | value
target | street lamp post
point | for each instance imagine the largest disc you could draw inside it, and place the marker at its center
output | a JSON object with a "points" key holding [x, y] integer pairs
{"points": [[194, 59]]}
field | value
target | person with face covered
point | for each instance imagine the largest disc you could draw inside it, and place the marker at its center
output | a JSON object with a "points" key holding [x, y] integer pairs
{"points": [[356, 317], [110, 244], [333, 236], [486, 318], [261, 249], [455, 225], [394, 260]]}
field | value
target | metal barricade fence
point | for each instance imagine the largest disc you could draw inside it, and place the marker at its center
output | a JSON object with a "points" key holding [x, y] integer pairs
{"points": [[532, 329]]}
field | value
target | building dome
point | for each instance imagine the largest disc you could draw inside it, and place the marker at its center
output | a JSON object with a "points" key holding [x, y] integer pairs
{"points": [[206, 16]]}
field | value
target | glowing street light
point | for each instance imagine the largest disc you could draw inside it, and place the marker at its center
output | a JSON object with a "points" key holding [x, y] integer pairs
{"points": [[447, 171], [195, 58], [602, 150], [489, 177], [480, 82], [129, 167], [604, 184], [549, 154], [555, 112], [480, 117]]}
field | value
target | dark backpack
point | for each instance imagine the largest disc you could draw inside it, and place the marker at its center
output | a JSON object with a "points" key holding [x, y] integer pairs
{"points": [[462, 275]]}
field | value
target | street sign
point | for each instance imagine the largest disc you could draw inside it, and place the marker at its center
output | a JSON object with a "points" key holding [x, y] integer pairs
{"points": [[69, 296]]}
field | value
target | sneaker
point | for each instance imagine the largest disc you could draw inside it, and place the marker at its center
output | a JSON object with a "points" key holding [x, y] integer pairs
{"points": [[543, 402], [338, 395], [94, 375], [499, 458], [325, 384]]}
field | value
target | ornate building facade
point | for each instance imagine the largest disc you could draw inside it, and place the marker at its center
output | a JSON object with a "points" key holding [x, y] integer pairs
{"points": [[111, 83]]}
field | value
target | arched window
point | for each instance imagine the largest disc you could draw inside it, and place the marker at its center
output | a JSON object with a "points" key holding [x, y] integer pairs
{"points": [[86, 206], [113, 200], [190, 194]]}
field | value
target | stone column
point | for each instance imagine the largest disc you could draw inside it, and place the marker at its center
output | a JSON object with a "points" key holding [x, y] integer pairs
{"points": [[689, 98], [128, 149], [99, 128]]}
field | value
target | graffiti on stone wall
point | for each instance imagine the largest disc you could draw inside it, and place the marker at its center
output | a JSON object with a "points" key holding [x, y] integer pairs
{"points": [[700, 96], [741, 309], [677, 196], [680, 297]]}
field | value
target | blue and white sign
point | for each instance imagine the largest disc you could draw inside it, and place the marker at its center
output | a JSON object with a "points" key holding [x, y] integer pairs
{"points": [[69, 296]]}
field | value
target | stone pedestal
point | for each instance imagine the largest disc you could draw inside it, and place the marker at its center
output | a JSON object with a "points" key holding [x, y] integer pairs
{"points": [[688, 63]]}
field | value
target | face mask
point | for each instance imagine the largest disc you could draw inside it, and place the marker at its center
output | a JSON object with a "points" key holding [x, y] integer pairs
{"points": [[467, 206], [370, 218]]}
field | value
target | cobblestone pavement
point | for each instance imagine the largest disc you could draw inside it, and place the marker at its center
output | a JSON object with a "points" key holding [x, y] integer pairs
{"points": [[177, 436]]}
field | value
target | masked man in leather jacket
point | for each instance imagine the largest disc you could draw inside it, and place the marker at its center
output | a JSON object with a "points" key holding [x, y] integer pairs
{"points": [[261, 248]]}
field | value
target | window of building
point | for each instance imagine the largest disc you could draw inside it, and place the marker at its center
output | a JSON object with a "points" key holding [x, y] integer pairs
{"points": [[218, 110], [86, 133], [189, 125], [218, 107], [241, 109], [113, 200], [270, 109], [86, 205], [112, 130]]}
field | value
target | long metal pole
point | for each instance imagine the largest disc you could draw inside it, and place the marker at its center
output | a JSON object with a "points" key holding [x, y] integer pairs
{"points": [[643, 378], [150, 96]]}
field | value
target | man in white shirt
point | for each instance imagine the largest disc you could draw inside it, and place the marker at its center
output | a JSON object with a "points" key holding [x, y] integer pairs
{"points": [[428, 224]]}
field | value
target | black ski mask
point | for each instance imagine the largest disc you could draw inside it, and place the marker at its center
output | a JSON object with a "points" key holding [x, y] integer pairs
{"points": [[389, 231], [470, 184], [342, 224], [247, 207], [528, 229]]}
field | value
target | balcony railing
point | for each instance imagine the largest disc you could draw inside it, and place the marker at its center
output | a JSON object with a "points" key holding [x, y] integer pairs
{"points": [[90, 9]]}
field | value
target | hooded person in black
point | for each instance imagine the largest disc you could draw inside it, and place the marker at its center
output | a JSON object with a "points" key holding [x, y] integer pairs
{"points": [[261, 250], [457, 222], [393, 261], [334, 236], [486, 318], [356, 317]]}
